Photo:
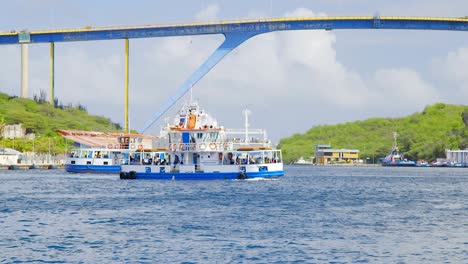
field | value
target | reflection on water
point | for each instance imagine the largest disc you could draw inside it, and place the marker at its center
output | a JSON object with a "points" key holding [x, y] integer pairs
{"points": [[313, 214]]}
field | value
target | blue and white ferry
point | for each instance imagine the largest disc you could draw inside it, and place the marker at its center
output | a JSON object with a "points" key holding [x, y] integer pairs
{"points": [[94, 160], [99, 152], [195, 147]]}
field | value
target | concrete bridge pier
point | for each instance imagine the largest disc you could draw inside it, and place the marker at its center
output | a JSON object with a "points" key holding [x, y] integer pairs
{"points": [[24, 70]]}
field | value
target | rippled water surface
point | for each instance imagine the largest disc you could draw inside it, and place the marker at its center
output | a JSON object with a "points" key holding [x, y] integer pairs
{"points": [[312, 215]]}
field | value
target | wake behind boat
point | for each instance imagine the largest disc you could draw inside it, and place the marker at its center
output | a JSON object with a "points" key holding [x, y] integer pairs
{"points": [[195, 147]]}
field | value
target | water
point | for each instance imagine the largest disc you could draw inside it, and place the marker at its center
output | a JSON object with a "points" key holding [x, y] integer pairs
{"points": [[312, 215]]}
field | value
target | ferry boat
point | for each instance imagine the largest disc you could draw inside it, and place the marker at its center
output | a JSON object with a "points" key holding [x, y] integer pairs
{"points": [[195, 147], [100, 152], [395, 158], [94, 160]]}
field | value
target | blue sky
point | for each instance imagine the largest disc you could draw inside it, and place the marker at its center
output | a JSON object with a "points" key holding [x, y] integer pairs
{"points": [[290, 80]]}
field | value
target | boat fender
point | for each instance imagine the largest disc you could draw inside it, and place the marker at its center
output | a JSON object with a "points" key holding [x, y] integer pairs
{"points": [[132, 175], [123, 175], [242, 176], [13, 167]]}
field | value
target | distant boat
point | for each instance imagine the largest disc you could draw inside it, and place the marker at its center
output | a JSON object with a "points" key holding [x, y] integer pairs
{"points": [[302, 161], [395, 158], [422, 163]]}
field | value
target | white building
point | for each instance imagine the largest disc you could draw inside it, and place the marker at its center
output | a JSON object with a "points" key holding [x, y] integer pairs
{"points": [[10, 156], [14, 131], [457, 156]]}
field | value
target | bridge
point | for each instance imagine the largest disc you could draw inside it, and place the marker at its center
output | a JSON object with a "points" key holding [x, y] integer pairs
{"points": [[235, 33]]}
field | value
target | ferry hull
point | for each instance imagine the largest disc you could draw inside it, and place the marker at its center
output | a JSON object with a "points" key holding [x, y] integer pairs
{"points": [[201, 175], [92, 168]]}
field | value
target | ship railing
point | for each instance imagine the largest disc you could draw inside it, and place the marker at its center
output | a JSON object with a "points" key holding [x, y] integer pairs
{"points": [[208, 146]]}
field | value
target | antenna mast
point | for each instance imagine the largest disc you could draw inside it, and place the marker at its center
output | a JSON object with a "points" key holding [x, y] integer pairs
{"points": [[246, 117]]}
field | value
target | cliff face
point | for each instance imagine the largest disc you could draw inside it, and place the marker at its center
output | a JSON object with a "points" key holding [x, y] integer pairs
{"points": [[465, 118]]}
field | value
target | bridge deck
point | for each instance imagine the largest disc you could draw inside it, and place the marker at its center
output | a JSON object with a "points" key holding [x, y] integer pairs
{"points": [[255, 26]]}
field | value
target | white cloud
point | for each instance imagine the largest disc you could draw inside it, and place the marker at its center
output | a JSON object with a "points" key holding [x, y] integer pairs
{"points": [[401, 90], [452, 69], [210, 13], [10, 70]]}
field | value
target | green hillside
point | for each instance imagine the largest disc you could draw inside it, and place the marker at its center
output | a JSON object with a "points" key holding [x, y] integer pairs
{"points": [[41, 118], [423, 135]]}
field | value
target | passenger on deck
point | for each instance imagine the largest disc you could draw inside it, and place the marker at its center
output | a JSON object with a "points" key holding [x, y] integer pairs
{"points": [[157, 161]]}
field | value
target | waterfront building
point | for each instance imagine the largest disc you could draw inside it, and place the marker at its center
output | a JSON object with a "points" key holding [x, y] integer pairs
{"points": [[10, 156], [457, 156], [324, 154]]}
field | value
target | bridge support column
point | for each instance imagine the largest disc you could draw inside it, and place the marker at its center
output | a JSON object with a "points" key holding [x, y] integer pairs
{"points": [[24, 70], [231, 41], [126, 86], [52, 74]]}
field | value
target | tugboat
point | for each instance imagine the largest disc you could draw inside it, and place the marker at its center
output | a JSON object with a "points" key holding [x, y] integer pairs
{"points": [[195, 147], [395, 158]]}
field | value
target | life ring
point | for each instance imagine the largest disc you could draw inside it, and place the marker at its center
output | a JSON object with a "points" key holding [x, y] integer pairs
{"points": [[132, 146], [174, 147], [110, 146], [140, 147], [182, 147], [117, 146], [225, 146], [212, 146], [202, 146], [193, 146]]}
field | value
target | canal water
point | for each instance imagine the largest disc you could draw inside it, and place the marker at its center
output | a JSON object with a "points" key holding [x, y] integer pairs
{"points": [[312, 215]]}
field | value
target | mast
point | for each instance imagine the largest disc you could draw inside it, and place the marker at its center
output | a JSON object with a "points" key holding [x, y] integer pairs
{"points": [[246, 117], [395, 134]]}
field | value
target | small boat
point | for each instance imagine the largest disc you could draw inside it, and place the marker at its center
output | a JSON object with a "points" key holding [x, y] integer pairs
{"points": [[395, 158], [302, 161], [422, 163], [94, 160], [195, 147], [100, 152]]}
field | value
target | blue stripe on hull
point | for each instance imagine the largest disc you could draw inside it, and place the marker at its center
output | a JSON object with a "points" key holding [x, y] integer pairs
{"points": [[92, 168], [206, 176]]}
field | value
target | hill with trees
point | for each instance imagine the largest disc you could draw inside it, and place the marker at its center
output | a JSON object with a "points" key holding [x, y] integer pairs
{"points": [[423, 135], [42, 119]]}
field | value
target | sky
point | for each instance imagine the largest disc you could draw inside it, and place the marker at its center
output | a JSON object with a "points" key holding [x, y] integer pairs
{"points": [[291, 81]]}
